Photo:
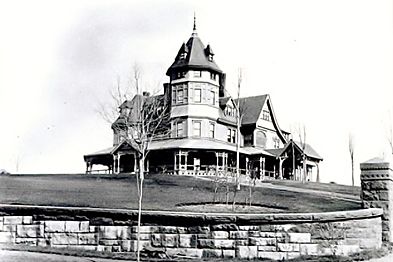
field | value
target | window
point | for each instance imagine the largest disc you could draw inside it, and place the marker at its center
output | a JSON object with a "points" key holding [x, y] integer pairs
{"points": [[179, 129], [212, 98], [197, 95], [180, 74], [276, 142], [266, 115], [213, 76], [179, 98], [196, 128], [179, 94], [231, 135], [197, 73], [211, 129]]}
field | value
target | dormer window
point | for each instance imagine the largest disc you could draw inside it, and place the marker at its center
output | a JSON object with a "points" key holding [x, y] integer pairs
{"points": [[210, 57], [213, 76], [183, 56]]}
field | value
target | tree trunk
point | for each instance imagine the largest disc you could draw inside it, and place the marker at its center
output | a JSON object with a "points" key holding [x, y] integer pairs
{"points": [[141, 178]]}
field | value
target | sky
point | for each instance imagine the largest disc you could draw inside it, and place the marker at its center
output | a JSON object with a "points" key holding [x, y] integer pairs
{"points": [[327, 65]]}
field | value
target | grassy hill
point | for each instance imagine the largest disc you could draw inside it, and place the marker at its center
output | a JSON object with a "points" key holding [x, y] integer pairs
{"points": [[162, 192]]}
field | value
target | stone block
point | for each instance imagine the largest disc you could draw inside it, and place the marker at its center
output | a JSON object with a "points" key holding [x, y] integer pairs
{"points": [[271, 234], [42, 242], [272, 255], [212, 253], [299, 237], [168, 229], [142, 245], [292, 255], [54, 226], [246, 252], [6, 237], [116, 249], [288, 247], [254, 233], [87, 238], [249, 228], [267, 248], [309, 249], [241, 242], [72, 226], [170, 240], [26, 220], [64, 238], [26, 241], [187, 240], [206, 243], [238, 234], [198, 230], [29, 231], [219, 234], [228, 253], [146, 229], [156, 240], [225, 227], [92, 229], [114, 232], [142, 236], [262, 241], [13, 220], [224, 243], [125, 245], [186, 252]]}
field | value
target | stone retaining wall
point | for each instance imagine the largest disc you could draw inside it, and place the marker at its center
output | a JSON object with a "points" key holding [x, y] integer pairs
{"points": [[275, 236]]}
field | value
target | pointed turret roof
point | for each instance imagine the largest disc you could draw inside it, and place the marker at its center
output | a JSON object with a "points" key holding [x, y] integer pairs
{"points": [[194, 55]]}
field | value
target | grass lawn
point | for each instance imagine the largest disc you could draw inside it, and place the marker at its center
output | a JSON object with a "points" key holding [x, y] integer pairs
{"points": [[329, 187], [161, 192]]}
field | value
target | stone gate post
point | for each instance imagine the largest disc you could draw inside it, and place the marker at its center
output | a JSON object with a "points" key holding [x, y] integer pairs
{"points": [[377, 191]]}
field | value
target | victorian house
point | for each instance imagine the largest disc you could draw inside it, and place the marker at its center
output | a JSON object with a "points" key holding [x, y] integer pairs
{"points": [[201, 131]]}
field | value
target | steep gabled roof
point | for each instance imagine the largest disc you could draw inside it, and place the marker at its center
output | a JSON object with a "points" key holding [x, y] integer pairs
{"points": [[197, 56], [251, 108], [308, 150]]}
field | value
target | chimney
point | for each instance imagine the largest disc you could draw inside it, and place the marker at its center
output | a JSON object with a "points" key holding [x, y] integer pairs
{"points": [[145, 93]]}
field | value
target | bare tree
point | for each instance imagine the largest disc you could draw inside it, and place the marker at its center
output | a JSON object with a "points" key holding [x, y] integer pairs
{"points": [[147, 119], [351, 148], [302, 139]]}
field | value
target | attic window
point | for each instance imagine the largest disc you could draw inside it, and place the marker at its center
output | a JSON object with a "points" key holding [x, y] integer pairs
{"points": [[183, 55], [213, 76], [266, 115], [210, 57]]}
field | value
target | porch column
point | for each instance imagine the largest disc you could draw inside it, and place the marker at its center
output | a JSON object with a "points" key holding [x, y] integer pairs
{"points": [[114, 164], [318, 178], [118, 163], [87, 167], [186, 160], [247, 166], [280, 168], [147, 165], [225, 162], [262, 168], [174, 167], [216, 163]]}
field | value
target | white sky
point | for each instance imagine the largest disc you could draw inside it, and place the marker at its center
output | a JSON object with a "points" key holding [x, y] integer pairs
{"points": [[326, 64]]}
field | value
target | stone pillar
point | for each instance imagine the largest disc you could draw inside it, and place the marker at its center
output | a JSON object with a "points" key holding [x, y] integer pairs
{"points": [[377, 191]]}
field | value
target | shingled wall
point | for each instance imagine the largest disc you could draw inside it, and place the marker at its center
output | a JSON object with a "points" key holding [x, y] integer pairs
{"points": [[274, 236]]}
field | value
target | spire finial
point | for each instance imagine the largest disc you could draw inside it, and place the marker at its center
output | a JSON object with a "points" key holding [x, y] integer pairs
{"points": [[194, 32]]}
